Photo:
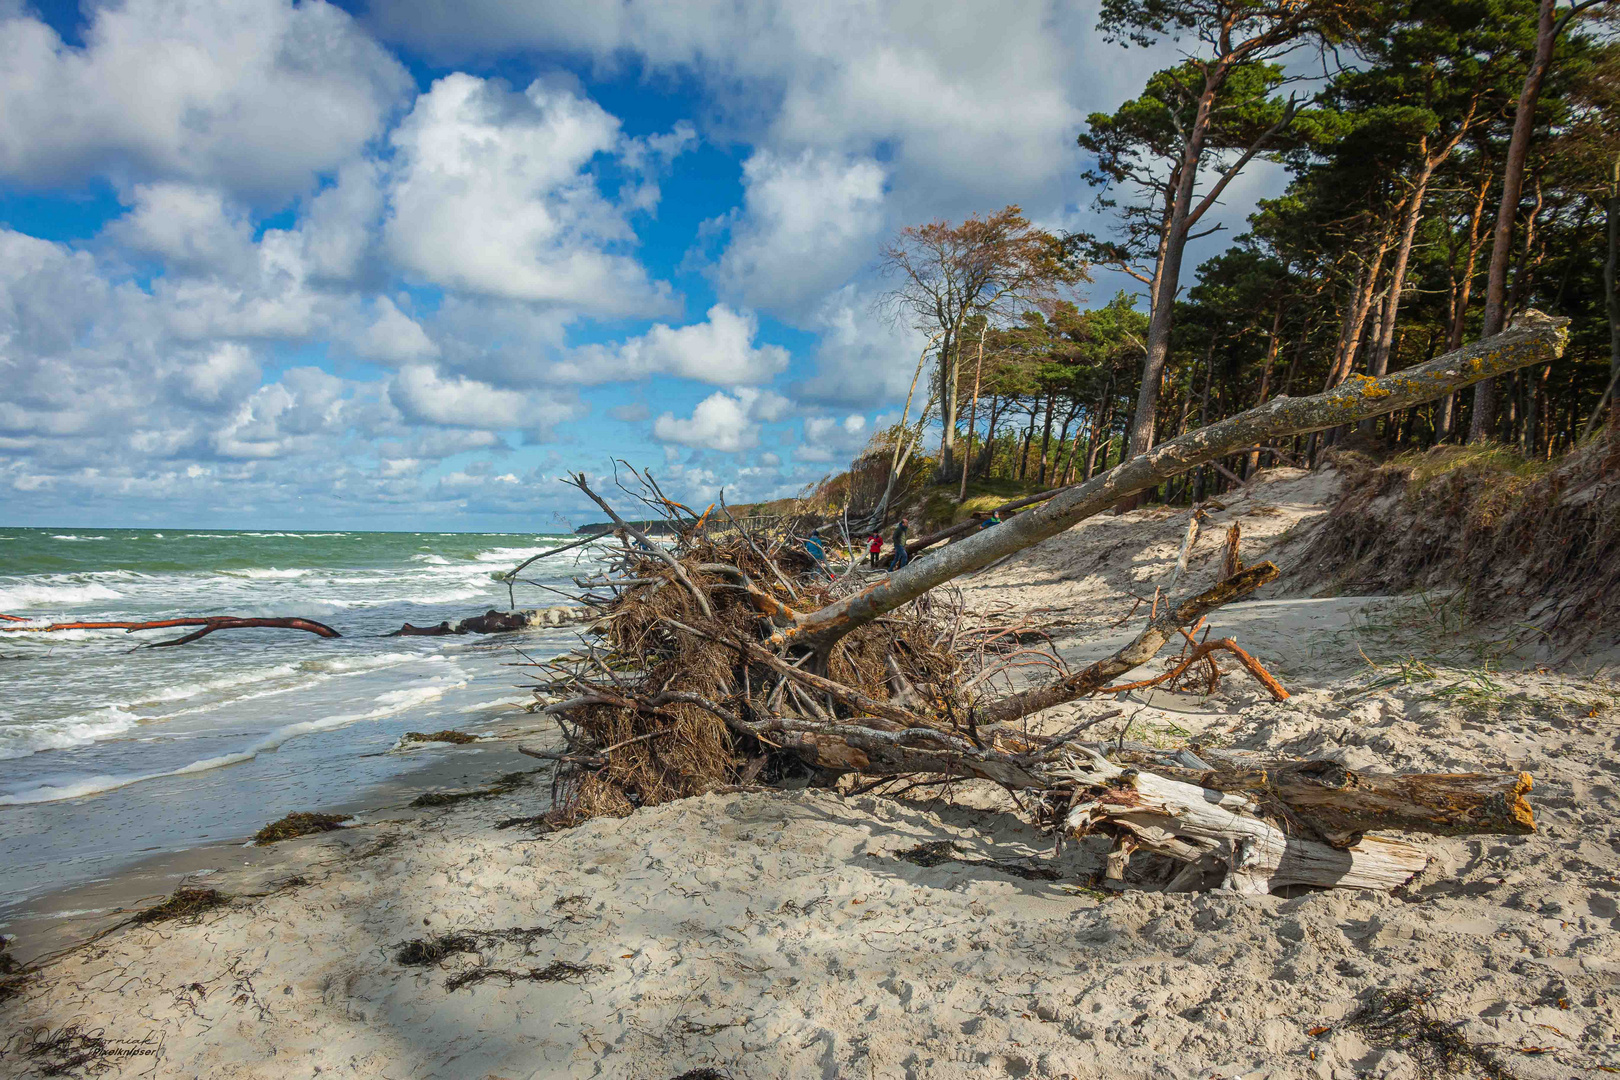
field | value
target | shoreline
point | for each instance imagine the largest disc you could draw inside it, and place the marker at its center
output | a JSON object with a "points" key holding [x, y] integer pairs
{"points": [[61, 918]]}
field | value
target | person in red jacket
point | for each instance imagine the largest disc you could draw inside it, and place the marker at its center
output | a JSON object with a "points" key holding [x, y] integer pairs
{"points": [[874, 547]]}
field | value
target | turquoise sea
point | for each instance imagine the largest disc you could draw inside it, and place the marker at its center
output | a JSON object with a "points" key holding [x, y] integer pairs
{"points": [[110, 753]]}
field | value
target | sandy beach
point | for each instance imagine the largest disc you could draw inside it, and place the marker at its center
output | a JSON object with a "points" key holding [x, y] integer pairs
{"points": [[767, 933]]}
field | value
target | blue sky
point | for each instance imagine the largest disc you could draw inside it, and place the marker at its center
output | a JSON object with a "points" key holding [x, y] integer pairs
{"points": [[404, 264]]}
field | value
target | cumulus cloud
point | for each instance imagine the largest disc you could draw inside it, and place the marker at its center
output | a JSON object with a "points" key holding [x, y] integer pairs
{"points": [[728, 422], [826, 438], [394, 337], [968, 109], [719, 350], [222, 375], [258, 96], [862, 356], [807, 223], [492, 196], [421, 393], [192, 229]]}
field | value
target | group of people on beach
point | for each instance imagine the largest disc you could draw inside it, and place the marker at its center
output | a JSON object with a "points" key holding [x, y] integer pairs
{"points": [[874, 545]]}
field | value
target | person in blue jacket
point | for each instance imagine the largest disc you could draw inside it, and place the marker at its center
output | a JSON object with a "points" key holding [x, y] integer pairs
{"points": [[812, 544]]}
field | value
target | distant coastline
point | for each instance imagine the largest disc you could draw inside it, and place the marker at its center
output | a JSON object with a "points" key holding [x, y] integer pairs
{"points": [[602, 528]]}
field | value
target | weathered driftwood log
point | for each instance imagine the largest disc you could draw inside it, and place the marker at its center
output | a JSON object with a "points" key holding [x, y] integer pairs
{"points": [[1217, 834], [1535, 338], [1340, 803], [208, 623]]}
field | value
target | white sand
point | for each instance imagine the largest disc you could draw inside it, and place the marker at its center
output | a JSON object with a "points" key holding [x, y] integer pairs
{"points": [[777, 934]]}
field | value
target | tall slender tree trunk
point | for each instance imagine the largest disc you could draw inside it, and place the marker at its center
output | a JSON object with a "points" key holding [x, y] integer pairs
{"points": [[1445, 417], [1029, 436], [1356, 320], [973, 414], [1483, 424], [1046, 438], [949, 376], [1298, 357], [988, 455], [1611, 304], [1273, 344], [1105, 436], [1524, 270], [1167, 274], [1099, 417], [1378, 364]]}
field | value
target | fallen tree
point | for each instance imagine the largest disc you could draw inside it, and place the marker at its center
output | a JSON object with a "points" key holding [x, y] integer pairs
{"points": [[1535, 338], [208, 624], [716, 663]]}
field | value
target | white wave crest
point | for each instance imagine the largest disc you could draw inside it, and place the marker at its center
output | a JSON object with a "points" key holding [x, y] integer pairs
{"points": [[23, 596], [397, 701], [67, 732], [435, 560], [269, 573], [71, 536], [365, 663], [183, 691], [515, 554]]}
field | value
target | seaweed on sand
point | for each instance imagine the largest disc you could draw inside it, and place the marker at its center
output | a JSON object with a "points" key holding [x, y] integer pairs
{"points": [[556, 971], [1405, 1020], [446, 736], [188, 902], [938, 852], [68, 1051], [419, 952], [12, 974], [299, 823], [503, 784]]}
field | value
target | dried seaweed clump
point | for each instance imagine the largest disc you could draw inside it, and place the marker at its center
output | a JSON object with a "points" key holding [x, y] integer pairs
{"points": [[556, 971], [1405, 1019], [299, 823], [448, 735], [502, 785], [419, 952], [186, 903]]}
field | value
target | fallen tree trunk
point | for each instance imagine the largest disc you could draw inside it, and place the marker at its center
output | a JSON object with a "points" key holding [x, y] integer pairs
{"points": [[1217, 835], [208, 623], [1536, 338], [1340, 803]]}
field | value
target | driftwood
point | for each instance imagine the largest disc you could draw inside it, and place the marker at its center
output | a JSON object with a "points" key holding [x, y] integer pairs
{"points": [[1339, 804], [721, 659], [208, 624], [1218, 836], [498, 622], [1230, 563]]}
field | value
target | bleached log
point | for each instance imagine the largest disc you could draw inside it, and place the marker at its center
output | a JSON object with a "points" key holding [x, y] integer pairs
{"points": [[1216, 831], [1340, 803]]}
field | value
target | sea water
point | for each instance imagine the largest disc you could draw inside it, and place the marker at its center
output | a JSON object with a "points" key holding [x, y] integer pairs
{"points": [[110, 752]]}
